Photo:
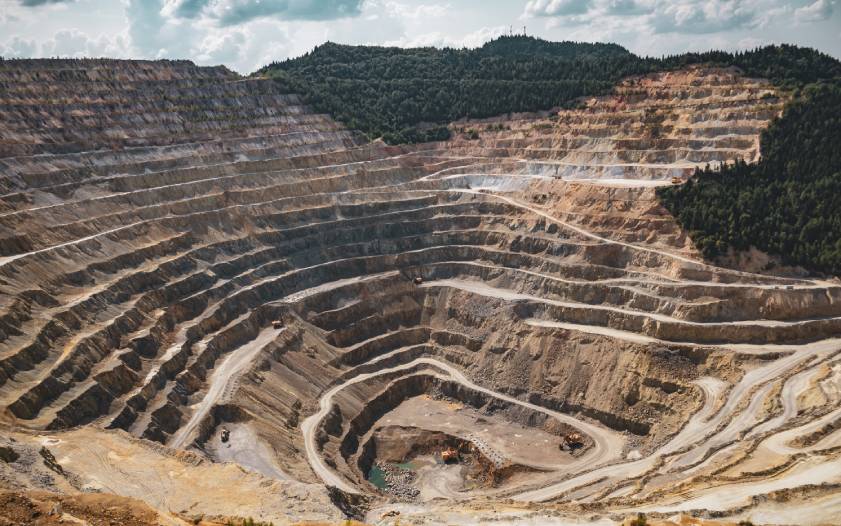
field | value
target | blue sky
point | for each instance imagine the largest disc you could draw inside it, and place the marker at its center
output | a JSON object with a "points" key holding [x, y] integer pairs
{"points": [[246, 34]]}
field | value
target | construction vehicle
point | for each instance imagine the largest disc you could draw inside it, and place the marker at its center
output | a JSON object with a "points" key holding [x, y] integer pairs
{"points": [[449, 455], [572, 441]]}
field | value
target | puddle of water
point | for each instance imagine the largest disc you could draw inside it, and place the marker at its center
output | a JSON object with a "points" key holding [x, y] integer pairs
{"points": [[376, 476]]}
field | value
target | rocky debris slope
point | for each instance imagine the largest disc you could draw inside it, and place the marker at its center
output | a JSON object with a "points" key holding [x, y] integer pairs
{"points": [[184, 251], [49, 509]]}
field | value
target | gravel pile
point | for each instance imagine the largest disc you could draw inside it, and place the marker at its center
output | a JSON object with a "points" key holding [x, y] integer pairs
{"points": [[399, 481]]}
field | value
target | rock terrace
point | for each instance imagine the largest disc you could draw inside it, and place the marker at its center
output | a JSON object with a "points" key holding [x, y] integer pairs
{"points": [[184, 250]]}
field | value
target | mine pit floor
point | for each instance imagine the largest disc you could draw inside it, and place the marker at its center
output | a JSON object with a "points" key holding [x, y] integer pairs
{"points": [[528, 446]]}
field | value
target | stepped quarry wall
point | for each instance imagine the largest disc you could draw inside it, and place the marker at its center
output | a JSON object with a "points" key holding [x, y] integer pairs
{"points": [[198, 271]]}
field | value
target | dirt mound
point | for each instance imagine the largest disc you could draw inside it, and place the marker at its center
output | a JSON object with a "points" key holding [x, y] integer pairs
{"points": [[48, 509]]}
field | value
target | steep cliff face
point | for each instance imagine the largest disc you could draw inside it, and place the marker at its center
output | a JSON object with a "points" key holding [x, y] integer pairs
{"points": [[192, 261]]}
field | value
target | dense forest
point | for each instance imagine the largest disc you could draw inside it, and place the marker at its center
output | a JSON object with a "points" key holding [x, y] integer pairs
{"points": [[788, 204], [409, 95]]}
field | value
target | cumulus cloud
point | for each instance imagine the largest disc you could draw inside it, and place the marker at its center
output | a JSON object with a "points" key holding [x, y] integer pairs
{"points": [[549, 8], [711, 16], [233, 12], [665, 16], [67, 43], [19, 48], [815, 12], [408, 11], [154, 35], [183, 8], [437, 39], [625, 7], [221, 48], [74, 43]]}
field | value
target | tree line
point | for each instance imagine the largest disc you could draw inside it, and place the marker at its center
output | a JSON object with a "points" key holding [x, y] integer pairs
{"points": [[787, 204], [409, 95]]}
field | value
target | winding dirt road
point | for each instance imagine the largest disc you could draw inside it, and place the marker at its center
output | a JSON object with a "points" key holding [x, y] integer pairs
{"points": [[232, 366], [608, 444]]}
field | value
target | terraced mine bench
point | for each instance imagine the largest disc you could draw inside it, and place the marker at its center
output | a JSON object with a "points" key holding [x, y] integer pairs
{"points": [[183, 250]]}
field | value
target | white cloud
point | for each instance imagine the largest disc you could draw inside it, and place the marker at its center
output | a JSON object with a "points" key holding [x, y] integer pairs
{"points": [[153, 35], [711, 16], [33, 3], [74, 43], [19, 47], [221, 47], [624, 7], [67, 43], [408, 11], [662, 16], [234, 12], [437, 39], [541, 8], [815, 12], [183, 8]]}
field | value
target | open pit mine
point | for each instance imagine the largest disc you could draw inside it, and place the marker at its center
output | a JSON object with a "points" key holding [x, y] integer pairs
{"points": [[216, 303]]}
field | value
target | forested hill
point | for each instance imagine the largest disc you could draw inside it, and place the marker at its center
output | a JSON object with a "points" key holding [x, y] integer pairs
{"points": [[787, 204], [401, 94], [388, 92]]}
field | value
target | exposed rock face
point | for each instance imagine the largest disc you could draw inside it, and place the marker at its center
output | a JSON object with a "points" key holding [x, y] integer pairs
{"points": [[185, 250]]}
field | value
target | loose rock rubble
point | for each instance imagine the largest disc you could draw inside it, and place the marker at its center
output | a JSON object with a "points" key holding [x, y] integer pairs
{"points": [[399, 481]]}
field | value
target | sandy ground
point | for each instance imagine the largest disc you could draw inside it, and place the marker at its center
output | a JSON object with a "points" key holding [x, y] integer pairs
{"points": [[528, 446]]}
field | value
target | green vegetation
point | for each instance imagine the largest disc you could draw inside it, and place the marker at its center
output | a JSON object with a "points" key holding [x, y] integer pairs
{"points": [[409, 95], [789, 203], [406, 95]]}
